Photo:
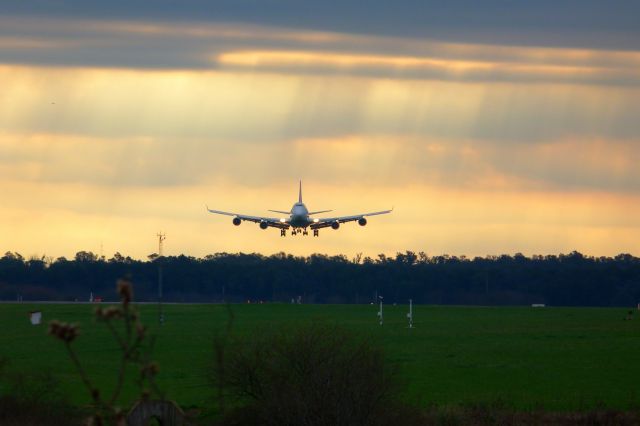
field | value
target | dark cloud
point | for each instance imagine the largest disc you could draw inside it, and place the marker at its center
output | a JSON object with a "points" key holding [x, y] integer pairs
{"points": [[143, 45], [574, 23]]}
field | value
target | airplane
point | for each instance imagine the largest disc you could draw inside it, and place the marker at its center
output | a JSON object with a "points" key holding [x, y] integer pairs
{"points": [[299, 219]]}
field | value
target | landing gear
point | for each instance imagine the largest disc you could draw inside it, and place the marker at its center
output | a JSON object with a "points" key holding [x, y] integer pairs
{"points": [[316, 232], [283, 232]]}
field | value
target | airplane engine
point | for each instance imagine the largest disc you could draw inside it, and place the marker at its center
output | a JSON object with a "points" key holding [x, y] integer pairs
{"points": [[263, 225], [362, 221], [335, 225], [236, 221]]}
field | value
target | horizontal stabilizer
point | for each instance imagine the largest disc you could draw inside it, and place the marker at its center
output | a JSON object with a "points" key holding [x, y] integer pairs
{"points": [[320, 211], [280, 211]]}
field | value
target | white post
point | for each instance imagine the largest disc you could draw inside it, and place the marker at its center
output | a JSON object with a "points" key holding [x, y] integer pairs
{"points": [[380, 311], [410, 314]]}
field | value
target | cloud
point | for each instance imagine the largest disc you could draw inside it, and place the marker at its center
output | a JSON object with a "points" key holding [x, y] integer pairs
{"points": [[412, 67], [573, 23], [121, 128], [574, 164], [180, 46], [260, 108], [381, 161]]}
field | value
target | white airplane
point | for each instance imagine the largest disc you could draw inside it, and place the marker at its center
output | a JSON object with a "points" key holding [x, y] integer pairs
{"points": [[299, 219]]}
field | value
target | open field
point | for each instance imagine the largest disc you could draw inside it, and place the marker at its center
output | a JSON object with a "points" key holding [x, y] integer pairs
{"points": [[556, 358]]}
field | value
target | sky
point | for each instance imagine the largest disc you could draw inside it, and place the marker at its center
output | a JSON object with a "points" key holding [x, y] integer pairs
{"points": [[492, 128]]}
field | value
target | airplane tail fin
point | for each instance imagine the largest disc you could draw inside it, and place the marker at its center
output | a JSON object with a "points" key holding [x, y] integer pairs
{"points": [[300, 193]]}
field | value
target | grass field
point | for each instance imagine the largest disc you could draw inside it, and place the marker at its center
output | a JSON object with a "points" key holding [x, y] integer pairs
{"points": [[553, 358]]}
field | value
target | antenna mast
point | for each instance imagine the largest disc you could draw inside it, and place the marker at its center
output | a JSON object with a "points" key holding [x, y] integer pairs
{"points": [[161, 238]]}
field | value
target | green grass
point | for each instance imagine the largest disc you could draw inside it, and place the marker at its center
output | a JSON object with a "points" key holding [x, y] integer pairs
{"points": [[553, 358]]}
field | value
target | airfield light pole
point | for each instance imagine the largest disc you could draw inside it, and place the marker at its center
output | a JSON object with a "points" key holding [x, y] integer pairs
{"points": [[410, 314], [380, 312], [161, 238]]}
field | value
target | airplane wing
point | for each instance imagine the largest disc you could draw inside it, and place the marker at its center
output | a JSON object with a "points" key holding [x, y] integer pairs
{"points": [[273, 222], [329, 221]]}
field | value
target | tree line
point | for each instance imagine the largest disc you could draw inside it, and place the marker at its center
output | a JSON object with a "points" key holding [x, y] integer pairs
{"points": [[558, 280]]}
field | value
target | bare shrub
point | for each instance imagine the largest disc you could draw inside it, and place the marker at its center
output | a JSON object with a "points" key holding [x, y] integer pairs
{"points": [[135, 347], [314, 374]]}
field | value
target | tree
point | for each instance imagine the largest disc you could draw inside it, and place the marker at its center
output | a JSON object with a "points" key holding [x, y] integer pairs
{"points": [[86, 256]]}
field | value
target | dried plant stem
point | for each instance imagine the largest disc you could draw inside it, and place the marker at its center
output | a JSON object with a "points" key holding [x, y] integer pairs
{"points": [[116, 335], [131, 348], [95, 395]]}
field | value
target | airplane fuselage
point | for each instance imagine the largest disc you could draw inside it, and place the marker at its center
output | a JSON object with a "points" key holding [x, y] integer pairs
{"points": [[299, 216]]}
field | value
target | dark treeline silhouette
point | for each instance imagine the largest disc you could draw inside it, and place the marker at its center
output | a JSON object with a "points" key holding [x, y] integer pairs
{"points": [[564, 280]]}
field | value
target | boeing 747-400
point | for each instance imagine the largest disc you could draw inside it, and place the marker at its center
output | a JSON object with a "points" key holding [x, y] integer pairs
{"points": [[299, 219]]}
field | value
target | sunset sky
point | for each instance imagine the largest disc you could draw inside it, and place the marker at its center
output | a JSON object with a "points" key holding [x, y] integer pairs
{"points": [[501, 128]]}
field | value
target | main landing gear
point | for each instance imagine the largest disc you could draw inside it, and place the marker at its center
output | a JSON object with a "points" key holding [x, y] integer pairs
{"points": [[299, 231], [316, 232]]}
